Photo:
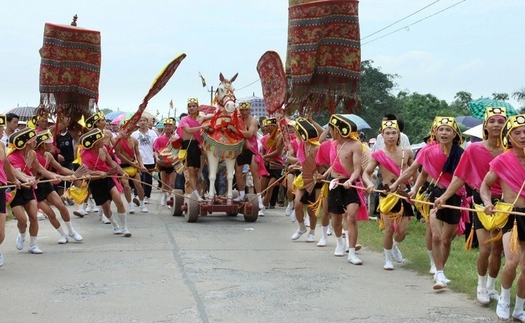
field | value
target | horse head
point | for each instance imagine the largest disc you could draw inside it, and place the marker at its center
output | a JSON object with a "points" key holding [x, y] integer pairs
{"points": [[225, 96]]}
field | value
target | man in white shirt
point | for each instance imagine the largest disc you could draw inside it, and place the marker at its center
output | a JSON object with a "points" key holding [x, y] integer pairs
{"points": [[11, 126], [146, 137]]}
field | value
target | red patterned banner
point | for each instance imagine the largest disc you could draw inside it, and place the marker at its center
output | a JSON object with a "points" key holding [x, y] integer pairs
{"points": [[70, 66], [324, 55], [273, 81]]}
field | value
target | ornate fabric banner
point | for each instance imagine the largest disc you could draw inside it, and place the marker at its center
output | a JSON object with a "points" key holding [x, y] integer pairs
{"points": [[324, 55], [69, 69], [273, 81]]}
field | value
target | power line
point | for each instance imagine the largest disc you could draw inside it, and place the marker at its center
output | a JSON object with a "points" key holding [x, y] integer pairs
{"points": [[247, 85], [406, 27], [380, 30]]}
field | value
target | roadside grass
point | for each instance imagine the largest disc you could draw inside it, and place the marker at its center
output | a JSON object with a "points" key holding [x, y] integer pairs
{"points": [[460, 267]]}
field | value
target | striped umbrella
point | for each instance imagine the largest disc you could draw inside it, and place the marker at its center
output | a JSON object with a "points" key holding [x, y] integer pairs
{"points": [[25, 113], [477, 107]]}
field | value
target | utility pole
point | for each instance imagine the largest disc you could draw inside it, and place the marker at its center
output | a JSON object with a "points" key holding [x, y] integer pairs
{"points": [[211, 95]]}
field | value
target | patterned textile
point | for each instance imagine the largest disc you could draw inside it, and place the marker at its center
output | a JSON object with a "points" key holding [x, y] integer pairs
{"points": [[324, 55], [69, 69], [273, 81]]}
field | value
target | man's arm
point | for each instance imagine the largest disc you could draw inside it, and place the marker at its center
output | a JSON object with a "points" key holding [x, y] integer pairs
{"points": [[484, 192]]}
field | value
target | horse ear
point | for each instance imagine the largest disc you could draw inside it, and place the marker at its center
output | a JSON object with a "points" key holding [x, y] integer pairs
{"points": [[234, 77], [221, 77]]}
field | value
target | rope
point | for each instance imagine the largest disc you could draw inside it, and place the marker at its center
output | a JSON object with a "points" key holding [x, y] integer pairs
{"points": [[430, 203]]}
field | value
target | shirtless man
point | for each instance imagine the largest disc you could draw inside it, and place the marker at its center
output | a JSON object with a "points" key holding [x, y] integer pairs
{"points": [[392, 159], [343, 200], [508, 169], [250, 155], [104, 189], [189, 130], [472, 168], [272, 144], [128, 152], [167, 172], [438, 164]]}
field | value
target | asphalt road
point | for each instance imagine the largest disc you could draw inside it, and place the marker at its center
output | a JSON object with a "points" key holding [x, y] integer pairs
{"points": [[220, 269]]}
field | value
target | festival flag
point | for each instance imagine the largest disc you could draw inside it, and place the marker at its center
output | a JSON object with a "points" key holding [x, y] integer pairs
{"points": [[202, 80]]}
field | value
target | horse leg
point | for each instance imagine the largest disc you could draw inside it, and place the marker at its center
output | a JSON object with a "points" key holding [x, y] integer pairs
{"points": [[213, 163], [230, 167]]}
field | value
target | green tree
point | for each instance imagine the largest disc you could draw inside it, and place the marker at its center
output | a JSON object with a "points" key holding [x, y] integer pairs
{"points": [[520, 97], [460, 103], [500, 96], [376, 95], [106, 111], [418, 111]]}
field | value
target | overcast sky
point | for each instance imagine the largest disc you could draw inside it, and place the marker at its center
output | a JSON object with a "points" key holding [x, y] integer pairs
{"points": [[475, 46]]}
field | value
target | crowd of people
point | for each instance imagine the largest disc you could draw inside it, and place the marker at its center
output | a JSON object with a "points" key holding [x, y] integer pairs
{"points": [[323, 173]]}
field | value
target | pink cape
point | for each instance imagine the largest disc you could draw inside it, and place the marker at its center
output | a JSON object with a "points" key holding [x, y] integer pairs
{"points": [[324, 152], [92, 161], [189, 122], [474, 165], [510, 171]]}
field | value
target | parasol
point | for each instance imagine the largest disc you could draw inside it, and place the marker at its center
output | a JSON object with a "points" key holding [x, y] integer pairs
{"points": [[477, 107], [359, 122], [25, 113], [112, 115], [469, 121], [476, 131], [122, 117]]}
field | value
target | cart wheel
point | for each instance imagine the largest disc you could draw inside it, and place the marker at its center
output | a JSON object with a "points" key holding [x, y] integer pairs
{"points": [[192, 208], [255, 208], [178, 201], [235, 194]]}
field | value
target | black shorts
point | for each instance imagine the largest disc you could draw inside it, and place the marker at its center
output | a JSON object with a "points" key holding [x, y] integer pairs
{"points": [[168, 170], [193, 157], [273, 173], [100, 189], [450, 216], [43, 190], [520, 221], [339, 198], [245, 158], [22, 197], [476, 198], [308, 198], [3, 201]]}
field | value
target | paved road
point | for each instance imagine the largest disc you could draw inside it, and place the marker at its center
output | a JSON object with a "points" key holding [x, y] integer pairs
{"points": [[220, 269]]}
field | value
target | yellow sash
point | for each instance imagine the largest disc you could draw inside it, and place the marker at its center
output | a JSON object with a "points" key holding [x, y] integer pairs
{"points": [[497, 220]]}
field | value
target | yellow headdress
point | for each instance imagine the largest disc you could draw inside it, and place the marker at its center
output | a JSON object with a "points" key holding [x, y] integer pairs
{"points": [[491, 112], [193, 100], [512, 122], [3, 120], [245, 105], [391, 124], [450, 122], [169, 121]]}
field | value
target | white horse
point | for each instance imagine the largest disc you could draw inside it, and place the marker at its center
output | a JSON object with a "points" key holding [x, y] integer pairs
{"points": [[222, 140]]}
